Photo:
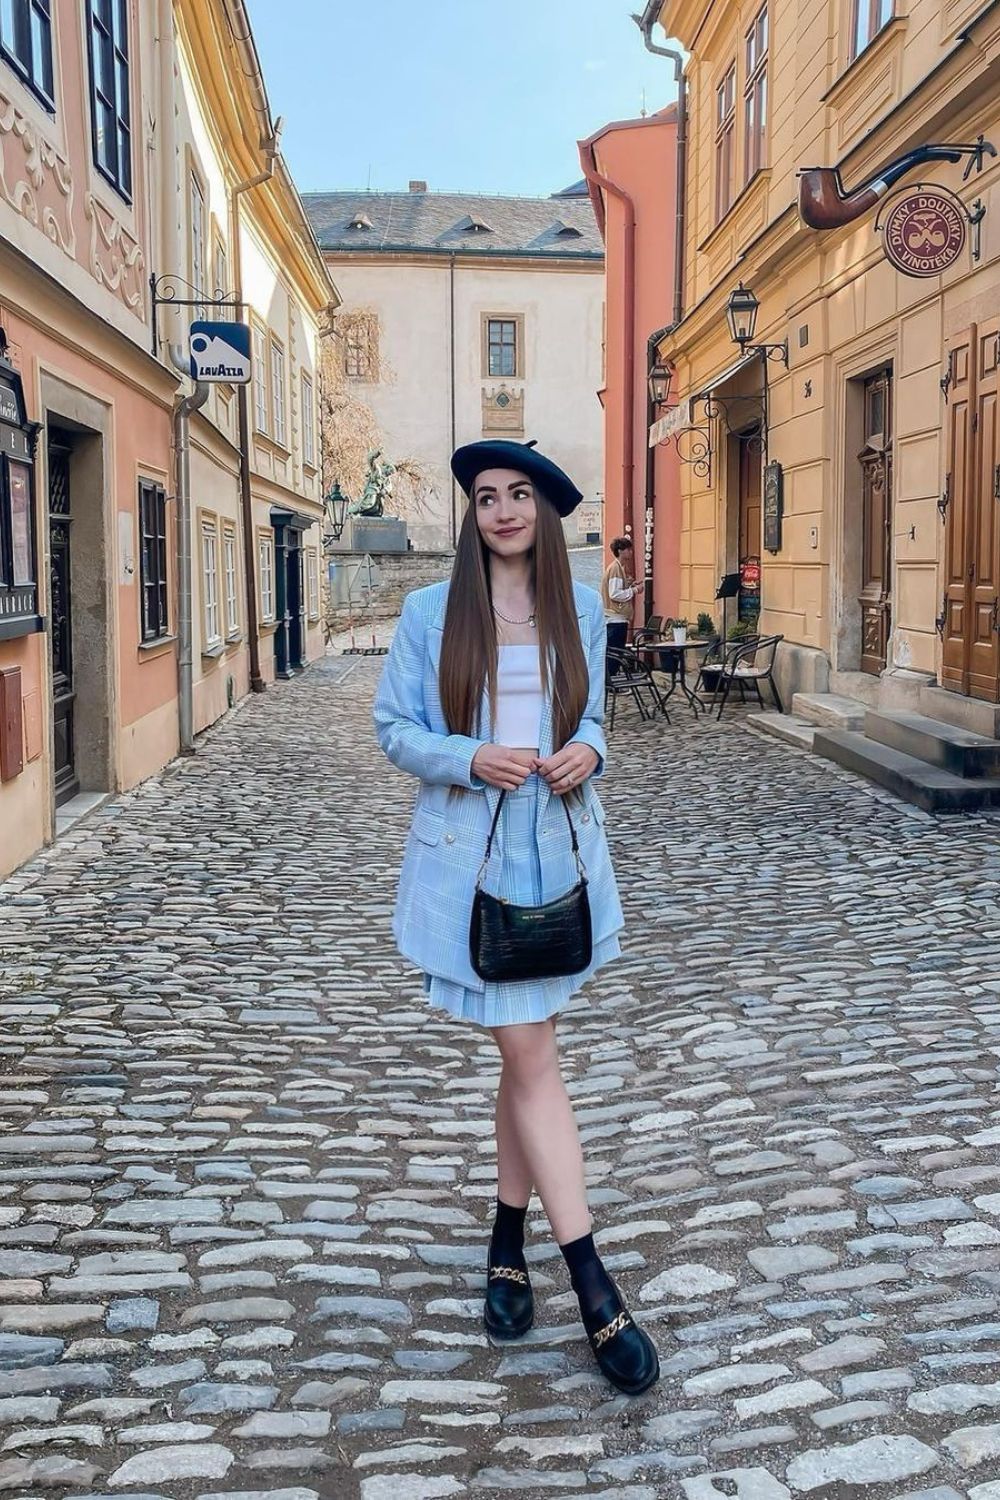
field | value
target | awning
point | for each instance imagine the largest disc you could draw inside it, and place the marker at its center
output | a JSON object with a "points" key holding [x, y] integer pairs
{"points": [[682, 415], [726, 375]]}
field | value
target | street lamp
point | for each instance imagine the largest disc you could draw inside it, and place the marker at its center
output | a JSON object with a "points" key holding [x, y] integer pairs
{"points": [[741, 315], [335, 505], [660, 376]]}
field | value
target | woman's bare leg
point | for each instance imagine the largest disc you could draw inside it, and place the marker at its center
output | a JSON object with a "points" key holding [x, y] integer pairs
{"points": [[533, 1109]]}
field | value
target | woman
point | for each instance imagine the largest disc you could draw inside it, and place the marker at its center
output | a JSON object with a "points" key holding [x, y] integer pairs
{"points": [[495, 684], [618, 591]]}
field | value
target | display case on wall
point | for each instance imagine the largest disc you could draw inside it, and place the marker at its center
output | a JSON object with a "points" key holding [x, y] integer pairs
{"points": [[19, 587]]}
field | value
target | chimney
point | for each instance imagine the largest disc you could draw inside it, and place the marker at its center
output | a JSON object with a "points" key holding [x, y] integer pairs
{"points": [[417, 187]]}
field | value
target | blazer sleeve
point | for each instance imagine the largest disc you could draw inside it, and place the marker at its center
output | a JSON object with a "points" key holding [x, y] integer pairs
{"points": [[590, 731], [401, 717]]}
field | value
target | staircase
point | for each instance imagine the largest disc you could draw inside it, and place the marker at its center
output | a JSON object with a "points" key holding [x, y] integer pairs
{"points": [[938, 766]]}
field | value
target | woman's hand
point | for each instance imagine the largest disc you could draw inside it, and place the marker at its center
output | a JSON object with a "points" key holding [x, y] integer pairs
{"points": [[568, 767], [496, 765]]}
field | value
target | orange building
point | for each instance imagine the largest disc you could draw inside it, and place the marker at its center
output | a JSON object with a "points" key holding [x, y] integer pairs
{"points": [[630, 167]]}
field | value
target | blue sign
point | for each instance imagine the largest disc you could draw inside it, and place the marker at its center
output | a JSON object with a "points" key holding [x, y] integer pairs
{"points": [[220, 351]]}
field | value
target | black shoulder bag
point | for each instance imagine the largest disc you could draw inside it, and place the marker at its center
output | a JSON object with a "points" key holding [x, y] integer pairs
{"points": [[508, 942]]}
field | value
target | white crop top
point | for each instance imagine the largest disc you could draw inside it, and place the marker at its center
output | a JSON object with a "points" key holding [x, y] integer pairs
{"points": [[519, 697]]}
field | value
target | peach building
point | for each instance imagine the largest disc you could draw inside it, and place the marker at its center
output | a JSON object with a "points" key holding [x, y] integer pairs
{"points": [[100, 151], [630, 169]]}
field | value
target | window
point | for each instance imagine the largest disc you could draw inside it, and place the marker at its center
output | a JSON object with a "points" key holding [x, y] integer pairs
{"points": [[725, 129], [153, 559], [260, 409], [196, 210], [220, 279], [308, 422], [229, 580], [360, 346], [211, 624], [501, 342], [26, 43], [755, 97], [869, 18], [109, 91], [279, 432], [265, 562], [312, 582]]}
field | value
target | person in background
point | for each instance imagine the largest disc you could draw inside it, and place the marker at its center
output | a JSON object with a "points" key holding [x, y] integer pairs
{"points": [[618, 591]]}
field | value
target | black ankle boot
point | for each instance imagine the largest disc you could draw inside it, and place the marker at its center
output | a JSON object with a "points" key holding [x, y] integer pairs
{"points": [[510, 1303], [624, 1353]]}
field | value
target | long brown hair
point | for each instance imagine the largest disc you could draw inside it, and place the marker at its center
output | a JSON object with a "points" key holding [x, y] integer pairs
{"points": [[469, 648]]}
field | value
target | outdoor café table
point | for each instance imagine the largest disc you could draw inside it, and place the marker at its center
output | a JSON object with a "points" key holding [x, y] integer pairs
{"points": [[678, 652]]}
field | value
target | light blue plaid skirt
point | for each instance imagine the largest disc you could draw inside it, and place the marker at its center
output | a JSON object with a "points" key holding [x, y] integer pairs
{"points": [[517, 878]]}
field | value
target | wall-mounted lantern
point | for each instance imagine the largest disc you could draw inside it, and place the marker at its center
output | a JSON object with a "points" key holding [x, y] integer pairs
{"points": [[741, 315]]}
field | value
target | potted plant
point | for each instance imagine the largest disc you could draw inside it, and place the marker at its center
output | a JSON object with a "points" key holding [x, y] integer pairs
{"points": [[680, 630], [742, 629], [705, 626]]}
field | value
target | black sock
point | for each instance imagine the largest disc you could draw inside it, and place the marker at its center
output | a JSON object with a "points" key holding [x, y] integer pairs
{"points": [[591, 1282], [507, 1240]]}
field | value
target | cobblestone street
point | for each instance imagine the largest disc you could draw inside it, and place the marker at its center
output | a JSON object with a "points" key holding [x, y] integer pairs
{"points": [[246, 1180]]}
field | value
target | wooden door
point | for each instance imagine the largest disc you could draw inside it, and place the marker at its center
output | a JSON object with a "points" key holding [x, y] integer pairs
{"points": [[955, 612], [982, 531], [61, 624], [971, 613], [875, 459]]}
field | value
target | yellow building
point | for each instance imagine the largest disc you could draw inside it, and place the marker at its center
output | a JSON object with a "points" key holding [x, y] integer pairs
{"points": [[881, 422]]}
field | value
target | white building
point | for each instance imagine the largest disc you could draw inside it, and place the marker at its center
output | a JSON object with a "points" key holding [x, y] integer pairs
{"points": [[466, 317]]}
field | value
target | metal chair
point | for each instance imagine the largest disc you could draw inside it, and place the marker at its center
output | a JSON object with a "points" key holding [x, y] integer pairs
{"points": [[626, 676], [713, 663], [748, 666], [651, 631]]}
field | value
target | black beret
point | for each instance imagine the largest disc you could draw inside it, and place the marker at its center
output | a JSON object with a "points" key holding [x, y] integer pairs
{"points": [[498, 453]]}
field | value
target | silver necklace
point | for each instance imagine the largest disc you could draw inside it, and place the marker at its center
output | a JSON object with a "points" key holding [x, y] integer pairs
{"points": [[508, 621]]}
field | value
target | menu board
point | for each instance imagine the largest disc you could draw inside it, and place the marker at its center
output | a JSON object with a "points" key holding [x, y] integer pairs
{"points": [[749, 607], [773, 506]]}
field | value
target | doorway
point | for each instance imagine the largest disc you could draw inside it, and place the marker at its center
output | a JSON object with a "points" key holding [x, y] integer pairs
{"points": [[874, 477], [290, 602], [970, 619], [748, 554], [67, 781]]}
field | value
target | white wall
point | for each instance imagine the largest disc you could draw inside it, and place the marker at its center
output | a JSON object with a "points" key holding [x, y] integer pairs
{"points": [[412, 402]]}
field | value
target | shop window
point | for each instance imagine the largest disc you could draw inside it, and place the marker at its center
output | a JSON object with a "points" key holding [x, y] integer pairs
{"points": [[110, 113], [153, 559], [26, 44]]}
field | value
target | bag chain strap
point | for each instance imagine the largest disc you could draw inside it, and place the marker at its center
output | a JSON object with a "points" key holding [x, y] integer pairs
{"points": [[581, 871]]}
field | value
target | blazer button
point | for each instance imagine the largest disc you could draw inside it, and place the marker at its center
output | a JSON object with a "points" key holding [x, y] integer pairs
{"points": [[585, 818], [449, 838]]}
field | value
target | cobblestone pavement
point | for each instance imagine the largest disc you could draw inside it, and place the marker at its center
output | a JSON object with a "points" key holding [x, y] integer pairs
{"points": [[245, 1180]]}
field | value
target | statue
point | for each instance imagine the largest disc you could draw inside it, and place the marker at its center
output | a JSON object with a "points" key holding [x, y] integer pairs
{"points": [[377, 489]]}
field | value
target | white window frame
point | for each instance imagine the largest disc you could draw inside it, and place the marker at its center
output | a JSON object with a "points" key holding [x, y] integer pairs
{"points": [[211, 617], [230, 577], [308, 421], [261, 406], [197, 219], [265, 575], [312, 582], [279, 412]]}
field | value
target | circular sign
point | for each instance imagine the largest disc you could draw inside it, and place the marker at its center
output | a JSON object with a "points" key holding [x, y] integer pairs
{"points": [[924, 234]]}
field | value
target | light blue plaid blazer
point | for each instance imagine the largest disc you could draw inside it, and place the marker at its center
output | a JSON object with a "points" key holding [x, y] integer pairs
{"points": [[454, 808]]}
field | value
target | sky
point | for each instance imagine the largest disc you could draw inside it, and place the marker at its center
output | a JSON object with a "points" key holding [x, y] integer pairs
{"points": [[483, 96]]}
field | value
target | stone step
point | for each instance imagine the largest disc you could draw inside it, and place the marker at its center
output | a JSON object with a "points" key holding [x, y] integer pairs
{"points": [[831, 710], [929, 787], [964, 713], [786, 727], [955, 750]]}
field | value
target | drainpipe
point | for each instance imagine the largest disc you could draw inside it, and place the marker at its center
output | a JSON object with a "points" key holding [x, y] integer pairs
{"points": [[645, 23], [270, 148], [183, 407], [589, 163]]}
